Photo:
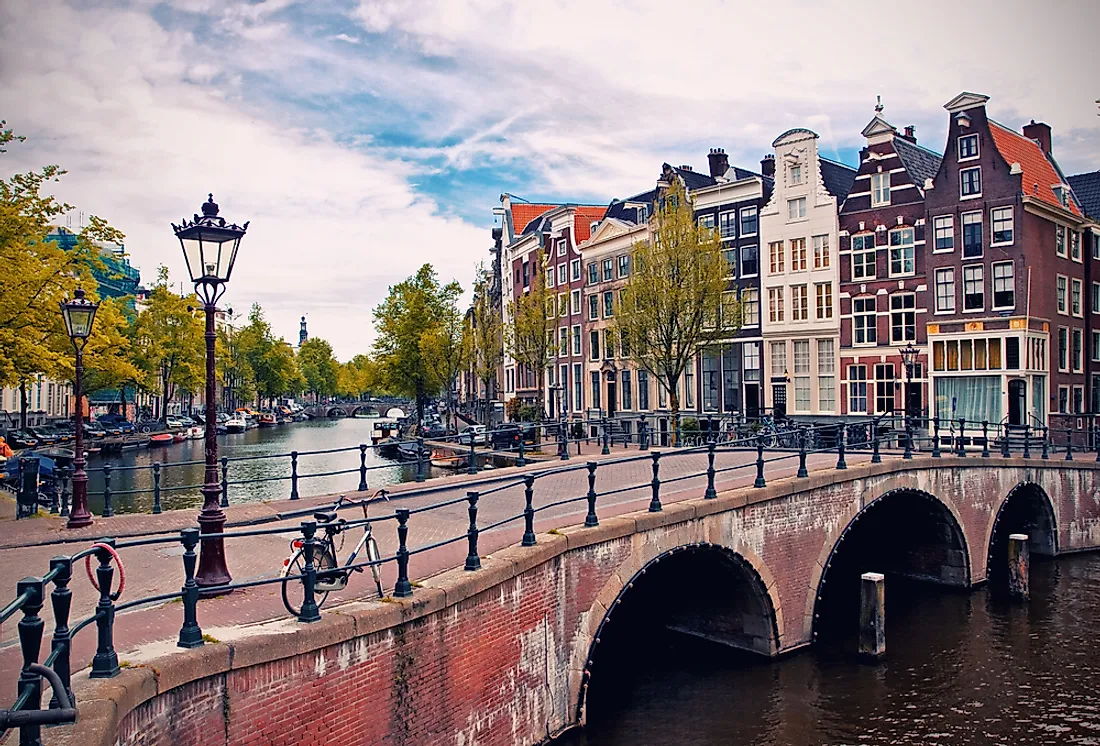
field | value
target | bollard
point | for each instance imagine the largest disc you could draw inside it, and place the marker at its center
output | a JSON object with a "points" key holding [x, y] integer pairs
{"points": [[803, 436], [190, 634], [935, 437], [362, 467], [985, 439], [1019, 559], [309, 611], [473, 560], [759, 462], [908, 452], [1069, 444], [655, 485], [872, 616], [710, 493], [293, 475], [105, 662], [419, 459], [66, 480], [961, 444], [471, 467], [30, 644], [564, 455], [876, 456], [156, 488], [402, 588], [528, 511], [225, 482], [840, 462], [1004, 443], [591, 520], [108, 509], [1027, 442], [1046, 445], [606, 450], [521, 461], [61, 601], [643, 436]]}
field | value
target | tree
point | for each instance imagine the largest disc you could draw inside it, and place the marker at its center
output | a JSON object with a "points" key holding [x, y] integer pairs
{"points": [[486, 335], [534, 323], [109, 360], [318, 366], [445, 345], [675, 301], [357, 377], [411, 310], [272, 363]]}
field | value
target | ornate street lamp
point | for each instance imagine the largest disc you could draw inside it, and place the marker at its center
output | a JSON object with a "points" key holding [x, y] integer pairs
{"points": [[909, 360], [209, 246], [79, 315]]}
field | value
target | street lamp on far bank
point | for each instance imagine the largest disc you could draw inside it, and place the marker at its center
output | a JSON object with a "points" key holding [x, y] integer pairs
{"points": [[210, 246], [909, 360], [79, 315]]}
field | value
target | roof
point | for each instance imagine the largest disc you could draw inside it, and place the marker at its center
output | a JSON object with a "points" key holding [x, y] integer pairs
{"points": [[1087, 189], [583, 219], [1040, 173], [523, 213], [921, 163], [837, 177], [741, 173], [694, 179], [620, 209]]}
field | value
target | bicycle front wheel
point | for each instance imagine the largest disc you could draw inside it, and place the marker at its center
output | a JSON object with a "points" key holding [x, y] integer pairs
{"points": [[294, 590], [375, 569]]}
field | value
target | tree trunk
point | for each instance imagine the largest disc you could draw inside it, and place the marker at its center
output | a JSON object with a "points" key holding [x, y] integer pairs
{"points": [[122, 396], [23, 404], [164, 400], [419, 407], [674, 407]]}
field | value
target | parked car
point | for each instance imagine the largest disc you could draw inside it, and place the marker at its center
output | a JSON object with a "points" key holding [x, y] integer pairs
{"points": [[435, 430], [94, 430], [21, 439], [46, 436], [507, 437], [115, 424], [479, 434]]}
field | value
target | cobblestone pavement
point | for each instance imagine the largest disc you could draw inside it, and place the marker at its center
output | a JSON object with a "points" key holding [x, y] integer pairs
{"points": [[623, 481]]}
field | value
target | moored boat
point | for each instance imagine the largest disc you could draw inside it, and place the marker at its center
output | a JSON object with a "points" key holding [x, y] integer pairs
{"points": [[267, 419], [384, 429], [179, 437], [236, 424], [447, 459], [160, 439]]}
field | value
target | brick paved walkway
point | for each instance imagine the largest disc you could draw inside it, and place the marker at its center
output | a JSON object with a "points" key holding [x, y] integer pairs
{"points": [[156, 569]]}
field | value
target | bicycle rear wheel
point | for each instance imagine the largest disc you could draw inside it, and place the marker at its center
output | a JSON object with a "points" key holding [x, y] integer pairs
{"points": [[293, 590]]}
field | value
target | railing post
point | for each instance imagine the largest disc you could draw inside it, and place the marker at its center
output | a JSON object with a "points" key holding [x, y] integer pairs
{"points": [[591, 520], [224, 502], [473, 560], [1027, 442], [61, 601], [108, 509], [362, 467], [840, 462], [402, 588], [521, 461], [1005, 452], [190, 633], [936, 437], [309, 611], [655, 485], [759, 462], [961, 451], [564, 441], [643, 435], [105, 662], [66, 480], [710, 493], [908, 452], [528, 511], [420, 459], [293, 475], [985, 439], [876, 456], [156, 488], [803, 437], [30, 644], [1046, 445], [1069, 444], [605, 450], [471, 467], [712, 436]]}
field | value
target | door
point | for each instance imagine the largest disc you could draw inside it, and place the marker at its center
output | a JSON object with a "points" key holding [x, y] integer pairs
{"points": [[611, 399], [752, 401], [779, 400], [1017, 401]]}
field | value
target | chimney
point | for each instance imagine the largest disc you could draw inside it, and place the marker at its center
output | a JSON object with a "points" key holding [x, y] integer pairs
{"points": [[685, 167], [911, 133], [767, 165], [719, 162], [1039, 132]]}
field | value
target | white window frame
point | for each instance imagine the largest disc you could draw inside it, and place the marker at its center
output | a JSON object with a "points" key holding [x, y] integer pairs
{"points": [[727, 224], [910, 247], [945, 276], [1076, 358], [795, 173], [622, 265], [750, 298], [828, 306], [741, 258], [993, 211], [1076, 290], [594, 310], [575, 334], [575, 269], [805, 308], [1061, 294], [903, 311], [775, 305], [796, 202], [575, 303], [977, 148], [859, 257], [1061, 245], [563, 304], [799, 256], [1075, 246], [981, 270], [755, 212], [981, 234], [1063, 359], [550, 276], [821, 251], [563, 247], [962, 180], [853, 384], [937, 227], [880, 188], [1096, 297], [1096, 346], [1012, 278], [563, 274], [868, 316]]}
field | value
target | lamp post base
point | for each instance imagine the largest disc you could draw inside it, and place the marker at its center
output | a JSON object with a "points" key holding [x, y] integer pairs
{"points": [[77, 520], [212, 574]]}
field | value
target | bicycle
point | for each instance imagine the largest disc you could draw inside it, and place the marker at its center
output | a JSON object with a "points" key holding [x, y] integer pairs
{"points": [[331, 576]]}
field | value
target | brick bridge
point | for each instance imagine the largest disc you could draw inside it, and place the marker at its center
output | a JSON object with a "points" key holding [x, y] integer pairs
{"points": [[372, 407], [507, 655]]}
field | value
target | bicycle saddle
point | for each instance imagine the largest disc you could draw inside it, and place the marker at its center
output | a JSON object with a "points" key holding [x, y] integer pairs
{"points": [[325, 517]]}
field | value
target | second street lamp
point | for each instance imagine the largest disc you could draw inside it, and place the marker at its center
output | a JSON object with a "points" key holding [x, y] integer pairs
{"points": [[79, 315], [210, 246]]}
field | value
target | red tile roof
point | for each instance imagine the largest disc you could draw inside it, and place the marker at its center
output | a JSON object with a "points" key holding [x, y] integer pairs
{"points": [[1037, 166], [523, 213], [582, 222]]}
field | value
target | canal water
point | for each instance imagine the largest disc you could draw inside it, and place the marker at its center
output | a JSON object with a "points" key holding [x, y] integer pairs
{"points": [[265, 475], [961, 668]]}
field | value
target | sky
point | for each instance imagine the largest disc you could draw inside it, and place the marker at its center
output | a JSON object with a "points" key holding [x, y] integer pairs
{"points": [[364, 138]]}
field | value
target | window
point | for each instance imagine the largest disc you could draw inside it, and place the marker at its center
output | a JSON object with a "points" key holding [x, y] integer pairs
{"points": [[1075, 292], [549, 277], [903, 318], [711, 358], [689, 386], [593, 273], [748, 221], [880, 189], [1001, 217], [576, 339], [1060, 240], [662, 395], [796, 174], [575, 302], [750, 261], [575, 269], [595, 378], [775, 305], [801, 356], [526, 274], [802, 377], [1076, 354], [624, 265], [563, 274], [970, 182], [563, 341], [563, 304], [826, 360], [775, 255], [1061, 289], [750, 307], [751, 363], [706, 223], [902, 252], [945, 290], [821, 252], [1096, 345], [968, 147], [826, 378], [593, 307], [802, 393], [778, 358], [551, 307], [608, 269], [730, 255], [798, 254], [800, 303], [628, 402], [1075, 246], [972, 235], [608, 304], [1004, 285], [796, 208], [1096, 297], [884, 387], [594, 345], [643, 389], [1078, 399], [863, 257], [864, 321], [727, 224], [1063, 349], [824, 293], [1063, 399], [945, 232], [562, 248], [577, 394], [973, 288], [857, 388]]}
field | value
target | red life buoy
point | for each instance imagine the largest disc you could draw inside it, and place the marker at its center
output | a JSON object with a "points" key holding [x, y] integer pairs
{"points": [[118, 561]]}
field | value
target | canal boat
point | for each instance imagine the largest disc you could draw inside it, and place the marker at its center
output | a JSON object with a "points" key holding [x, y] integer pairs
{"points": [[445, 458], [236, 424], [384, 429], [267, 419], [179, 436], [161, 439], [196, 432]]}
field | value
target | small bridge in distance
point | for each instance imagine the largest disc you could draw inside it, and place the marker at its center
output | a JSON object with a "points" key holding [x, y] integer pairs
{"points": [[373, 407]]}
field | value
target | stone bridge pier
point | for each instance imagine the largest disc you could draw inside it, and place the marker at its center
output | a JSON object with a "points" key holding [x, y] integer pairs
{"points": [[509, 654]]}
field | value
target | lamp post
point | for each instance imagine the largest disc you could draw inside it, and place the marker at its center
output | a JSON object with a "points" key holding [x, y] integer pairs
{"points": [[79, 314], [210, 246], [909, 360]]}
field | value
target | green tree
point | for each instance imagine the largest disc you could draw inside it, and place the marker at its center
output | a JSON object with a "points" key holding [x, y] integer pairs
{"points": [[109, 357], [534, 323], [357, 377], [675, 301], [319, 367], [445, 345], [485, 335], [274, 368], [170, 349]]}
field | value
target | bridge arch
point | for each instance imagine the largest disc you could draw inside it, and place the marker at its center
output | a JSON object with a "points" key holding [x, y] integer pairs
{"points": [[368, 410], [336, 411], [905, 531], [1026, 509], [702, 590]]}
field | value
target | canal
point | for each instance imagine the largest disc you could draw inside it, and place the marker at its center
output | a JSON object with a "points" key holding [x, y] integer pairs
{"points": [[961, 668], [265, 475]]}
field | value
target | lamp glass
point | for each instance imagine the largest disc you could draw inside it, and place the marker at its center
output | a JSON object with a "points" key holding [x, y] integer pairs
{"points": [[79, 317]]}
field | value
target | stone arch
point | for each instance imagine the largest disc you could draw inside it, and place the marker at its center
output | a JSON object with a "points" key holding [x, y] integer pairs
{"points": [[367, 409], [1027, 508], [956, 572], [336, 411], [757, 584]]}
